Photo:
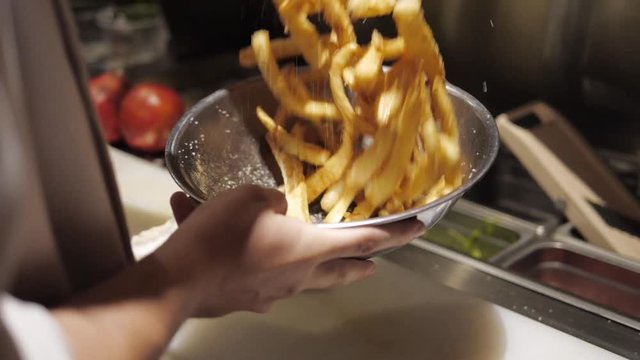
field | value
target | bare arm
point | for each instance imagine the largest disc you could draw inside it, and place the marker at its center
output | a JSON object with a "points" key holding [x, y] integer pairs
{"points": [[131, 316]]}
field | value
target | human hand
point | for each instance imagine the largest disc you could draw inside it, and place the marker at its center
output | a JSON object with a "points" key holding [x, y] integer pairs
{"points": [[240, 252]]}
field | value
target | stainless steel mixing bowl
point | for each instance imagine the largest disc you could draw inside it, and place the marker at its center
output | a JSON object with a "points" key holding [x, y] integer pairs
{"points": [[219, 144]]}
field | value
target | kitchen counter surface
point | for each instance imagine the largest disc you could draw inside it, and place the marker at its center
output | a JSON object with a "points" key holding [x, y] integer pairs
{"points": [[420, 304], [397, 314]]}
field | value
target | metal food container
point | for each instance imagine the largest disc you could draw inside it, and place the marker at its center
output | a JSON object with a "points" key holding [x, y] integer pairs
{"points": [[219, 144], [611, 283], [481, 233]]}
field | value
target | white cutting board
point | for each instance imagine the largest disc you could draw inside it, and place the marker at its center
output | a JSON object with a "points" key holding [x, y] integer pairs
{"points": [[394, 315]]}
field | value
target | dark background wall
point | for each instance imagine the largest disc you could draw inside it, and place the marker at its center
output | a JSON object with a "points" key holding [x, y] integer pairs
{"points": [[581, 56]]}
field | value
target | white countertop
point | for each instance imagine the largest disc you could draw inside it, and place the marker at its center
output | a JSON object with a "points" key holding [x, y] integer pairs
{"points": [[395, 315]]}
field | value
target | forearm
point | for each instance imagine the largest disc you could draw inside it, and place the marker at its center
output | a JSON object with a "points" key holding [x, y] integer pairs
{"points": [[131, 316]]}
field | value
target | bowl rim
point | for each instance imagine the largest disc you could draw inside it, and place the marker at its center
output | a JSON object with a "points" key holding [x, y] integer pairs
{"points": [[479, 109]]}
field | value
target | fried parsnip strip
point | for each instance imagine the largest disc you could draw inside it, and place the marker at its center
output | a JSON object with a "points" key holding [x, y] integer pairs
{"points": [[279, 85], [332, 170], [329, 134], [443, 108], [390, 100], [367, 164], [431, 141], [285, 48], [313, 78], [449, 150], [414, 156], [368, 69], [363, 211], [365, 110], [409, 183], [307, 132], [282, 48], [281, 116], [335, 167], [393, 206], [310, 153], [419, 41], [423, 178], [295, 188], [332, 195], [298, 131], [313, 7], [349, 116], [360, 9], [294, 15], [296, 82], [429, 135], [425, 159], [337, 17], [449, 144], [434, 193], [382, 186], [392, 49], [349, 77], [383, 213], [442, 151], [363, 168]]}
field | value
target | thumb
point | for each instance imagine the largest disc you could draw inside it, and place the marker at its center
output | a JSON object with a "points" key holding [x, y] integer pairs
{"points": [[181, 206]]}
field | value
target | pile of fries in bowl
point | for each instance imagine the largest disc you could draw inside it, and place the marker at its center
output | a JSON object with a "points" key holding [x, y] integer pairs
{"points": [[363, 131]]}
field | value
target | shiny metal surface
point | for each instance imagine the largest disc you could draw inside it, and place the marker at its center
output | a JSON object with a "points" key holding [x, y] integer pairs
{"points": [[541, 47], [500, 266], [218, 145], [571, 269], [493, 235], [501, 288]]}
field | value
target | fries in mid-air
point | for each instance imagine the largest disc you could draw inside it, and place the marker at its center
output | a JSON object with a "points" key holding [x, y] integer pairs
{"points": [[360, 138]]}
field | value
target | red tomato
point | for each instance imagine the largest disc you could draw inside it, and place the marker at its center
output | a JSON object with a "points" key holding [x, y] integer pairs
{"points": [[106, 92], [147, 115]]}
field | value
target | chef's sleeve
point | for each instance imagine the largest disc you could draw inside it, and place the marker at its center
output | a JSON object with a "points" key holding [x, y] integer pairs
{"points": [[34, 331]]}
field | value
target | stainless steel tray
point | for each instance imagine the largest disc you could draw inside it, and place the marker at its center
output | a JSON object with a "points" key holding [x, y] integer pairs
{"points": [[495, 235], [575, 270], [534, 238]]}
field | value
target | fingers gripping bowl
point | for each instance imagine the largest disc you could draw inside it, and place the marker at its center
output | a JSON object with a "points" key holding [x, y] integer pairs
{"points": [[220, 144]]}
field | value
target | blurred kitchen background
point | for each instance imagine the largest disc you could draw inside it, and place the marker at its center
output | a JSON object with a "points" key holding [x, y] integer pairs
{"points": [[581, 58]]}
